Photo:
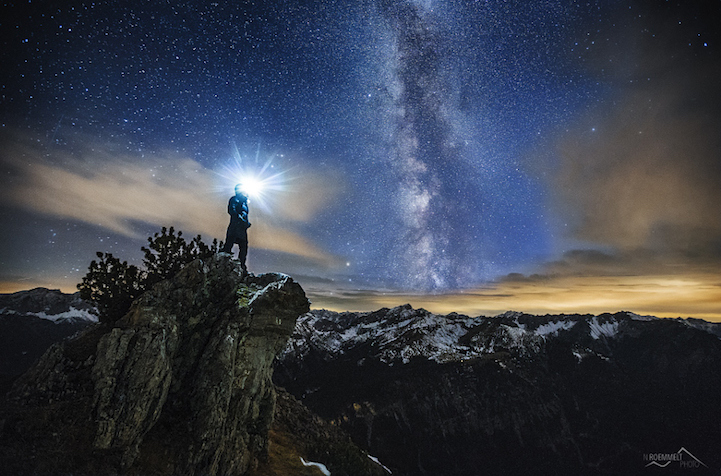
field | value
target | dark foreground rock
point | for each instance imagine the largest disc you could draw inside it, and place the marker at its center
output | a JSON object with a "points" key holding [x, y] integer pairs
{"points": [[298, 433], [180, 385]]}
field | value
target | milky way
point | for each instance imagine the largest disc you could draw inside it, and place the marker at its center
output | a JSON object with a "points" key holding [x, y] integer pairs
{"points": [[426, 146], [438, 203]]}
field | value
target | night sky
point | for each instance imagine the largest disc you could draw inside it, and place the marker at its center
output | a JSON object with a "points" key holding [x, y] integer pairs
{"points": [[471, 156]]}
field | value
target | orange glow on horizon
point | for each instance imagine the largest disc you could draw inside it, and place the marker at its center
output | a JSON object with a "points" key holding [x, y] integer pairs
{"points": [[696, 296], [661, 296]]}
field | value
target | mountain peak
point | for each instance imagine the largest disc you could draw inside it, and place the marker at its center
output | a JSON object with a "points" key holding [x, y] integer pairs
{"points": [[51, 304]]}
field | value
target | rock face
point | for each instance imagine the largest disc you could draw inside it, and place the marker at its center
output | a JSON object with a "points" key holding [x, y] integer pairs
{"points": [[297, 432], [180, 385], [511, 394]]}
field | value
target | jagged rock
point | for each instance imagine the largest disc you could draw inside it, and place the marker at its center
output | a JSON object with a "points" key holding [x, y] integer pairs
{"points": [[180, 385]]}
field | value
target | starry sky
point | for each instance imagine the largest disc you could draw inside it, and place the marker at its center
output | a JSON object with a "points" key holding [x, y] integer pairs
{"points": [[470, 156]]}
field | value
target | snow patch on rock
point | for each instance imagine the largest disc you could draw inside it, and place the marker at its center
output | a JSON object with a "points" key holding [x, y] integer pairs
{"points": [[553, 328], [323, 469], [605, 329]]}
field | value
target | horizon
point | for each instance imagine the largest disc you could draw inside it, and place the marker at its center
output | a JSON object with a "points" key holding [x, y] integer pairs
{"points": [[492, 301], [473, 158]]}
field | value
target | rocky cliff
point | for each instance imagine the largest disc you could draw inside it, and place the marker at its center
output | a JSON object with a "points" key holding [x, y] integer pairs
{"points": [[180, 385], [515, 393]]}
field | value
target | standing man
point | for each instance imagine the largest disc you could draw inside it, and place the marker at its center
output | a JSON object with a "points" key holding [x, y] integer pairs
{"points": [[238, 227]]}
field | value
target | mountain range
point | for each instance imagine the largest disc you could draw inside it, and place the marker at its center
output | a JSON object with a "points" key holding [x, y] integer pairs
{"points": [[415, 392], [511, 394], [30, 321]]}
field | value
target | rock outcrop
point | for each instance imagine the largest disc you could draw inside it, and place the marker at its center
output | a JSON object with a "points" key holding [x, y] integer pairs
{"points": [[297, 433], [180, 385]]}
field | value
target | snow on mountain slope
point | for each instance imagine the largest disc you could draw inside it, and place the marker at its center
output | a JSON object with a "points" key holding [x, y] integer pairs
{"points": [[400, 334], [403, 333], [49, 304], [71, 314], [606, 329], [31, 321]]}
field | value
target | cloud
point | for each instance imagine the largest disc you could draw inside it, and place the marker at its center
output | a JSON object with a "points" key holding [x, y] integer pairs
{"points": [[638, 176], [634, 185], [689, 295], [645, 173], [96, 184], [312, 193]]}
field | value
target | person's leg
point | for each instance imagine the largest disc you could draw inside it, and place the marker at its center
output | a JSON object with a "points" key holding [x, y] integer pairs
{"points": [[243, 254], [228, 244]]}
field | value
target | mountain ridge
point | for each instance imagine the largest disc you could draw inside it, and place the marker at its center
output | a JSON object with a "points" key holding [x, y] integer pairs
{"points": [[509, 394], [451, 336], [424, 393], [48, 315]]}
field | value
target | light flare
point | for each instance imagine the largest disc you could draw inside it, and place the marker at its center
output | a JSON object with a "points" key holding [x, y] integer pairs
{"points": [[259, 179], [252, 186]]}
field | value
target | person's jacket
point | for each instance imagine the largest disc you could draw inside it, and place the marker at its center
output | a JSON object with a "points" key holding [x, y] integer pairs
{"points": [[238, 211]]}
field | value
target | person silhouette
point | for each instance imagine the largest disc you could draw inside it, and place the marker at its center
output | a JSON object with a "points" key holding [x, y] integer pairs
{"points": [[238, 227]]}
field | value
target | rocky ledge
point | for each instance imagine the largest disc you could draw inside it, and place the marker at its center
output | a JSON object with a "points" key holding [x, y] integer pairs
{"points": [[180, 385]]}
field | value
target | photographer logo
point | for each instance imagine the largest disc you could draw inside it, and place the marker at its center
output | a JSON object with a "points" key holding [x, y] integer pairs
{"points": [[682, 457]]}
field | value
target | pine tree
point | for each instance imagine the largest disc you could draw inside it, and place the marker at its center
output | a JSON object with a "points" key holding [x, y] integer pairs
{"points": [[113, 285], [168, 253]]}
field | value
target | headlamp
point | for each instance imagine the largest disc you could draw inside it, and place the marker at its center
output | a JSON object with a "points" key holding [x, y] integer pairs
{"points": [[252, 186]]}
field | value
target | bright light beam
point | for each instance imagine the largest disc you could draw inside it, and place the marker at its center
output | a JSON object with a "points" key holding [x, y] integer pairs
{"points": [[252, 186], [260, 186], [260, 182]]}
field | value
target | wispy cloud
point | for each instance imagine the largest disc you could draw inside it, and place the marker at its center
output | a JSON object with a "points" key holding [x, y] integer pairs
{"points": [[662, 296], [641, 171], [645, 173], [634, 182], [95, 184]]}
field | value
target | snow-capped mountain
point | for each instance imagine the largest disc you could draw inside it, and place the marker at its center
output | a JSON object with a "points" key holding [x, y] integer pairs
{"points": [[50, 304], [31, 321], [513, 393], [403, 333]]}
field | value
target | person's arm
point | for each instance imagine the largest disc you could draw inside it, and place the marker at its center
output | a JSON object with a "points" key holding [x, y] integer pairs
{"points": [[244, 214]]}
